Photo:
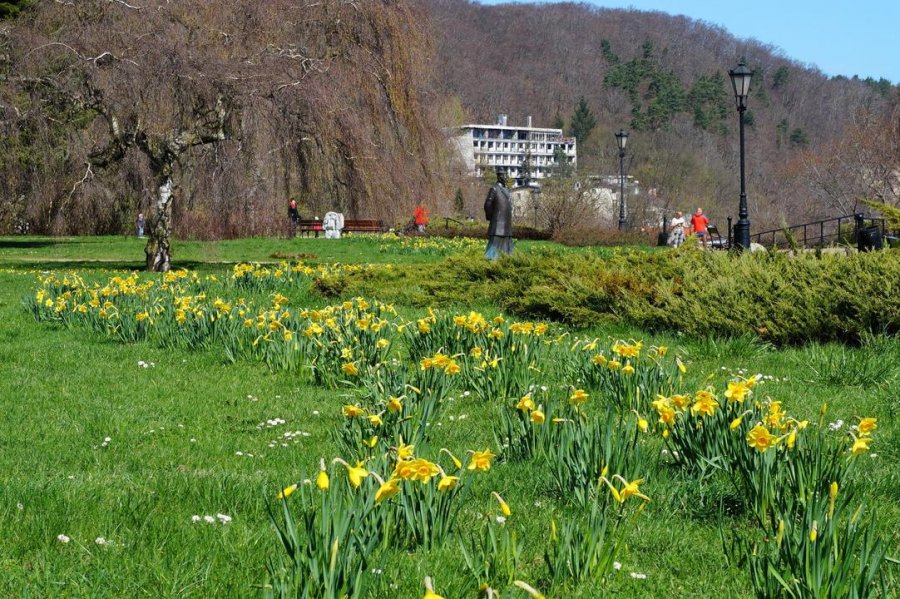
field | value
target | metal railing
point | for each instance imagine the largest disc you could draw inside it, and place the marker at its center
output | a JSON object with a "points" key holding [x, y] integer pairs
{"points": [[841, 230]]}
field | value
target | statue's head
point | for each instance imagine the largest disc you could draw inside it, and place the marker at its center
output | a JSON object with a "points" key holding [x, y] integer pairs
{"points": [[501, 176]]}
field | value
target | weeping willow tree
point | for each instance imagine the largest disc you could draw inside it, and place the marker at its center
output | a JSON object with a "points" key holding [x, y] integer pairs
{"points": [[214, 114]]}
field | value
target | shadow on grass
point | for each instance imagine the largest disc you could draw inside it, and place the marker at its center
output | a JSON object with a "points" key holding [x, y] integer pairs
{"points": [[30, 243], [101, 265]]}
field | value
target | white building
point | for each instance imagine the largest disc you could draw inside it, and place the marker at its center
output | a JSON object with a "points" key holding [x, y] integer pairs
{"points": [[517, 149]]}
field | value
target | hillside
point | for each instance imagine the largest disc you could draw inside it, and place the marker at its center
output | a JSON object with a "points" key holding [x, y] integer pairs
{"points": [[665, 78]]}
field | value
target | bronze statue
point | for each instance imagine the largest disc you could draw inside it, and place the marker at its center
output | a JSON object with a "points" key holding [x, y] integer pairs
{"points": [[498, 210]]}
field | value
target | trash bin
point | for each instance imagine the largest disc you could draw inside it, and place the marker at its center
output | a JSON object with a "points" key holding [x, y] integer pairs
{"points": [[870, 239]]}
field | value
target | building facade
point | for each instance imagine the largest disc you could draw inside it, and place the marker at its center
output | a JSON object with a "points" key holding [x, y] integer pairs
{"points": [[527, 153]]}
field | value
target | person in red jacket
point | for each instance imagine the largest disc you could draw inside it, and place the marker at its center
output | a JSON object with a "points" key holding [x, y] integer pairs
{"points": [[699, 222], [420, 215]]}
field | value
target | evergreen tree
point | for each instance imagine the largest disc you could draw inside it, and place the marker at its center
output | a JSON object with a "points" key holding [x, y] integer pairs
{"points": [[781, 77], [606, 51], [583, 121], [459, 201], [558, 122], [12, 8]]}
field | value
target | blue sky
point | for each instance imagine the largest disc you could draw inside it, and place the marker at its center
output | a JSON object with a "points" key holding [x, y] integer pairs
{"points": [[839, 37]]}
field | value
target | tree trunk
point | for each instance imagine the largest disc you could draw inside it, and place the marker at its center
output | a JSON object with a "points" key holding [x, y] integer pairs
{"points": [[158, 249]]}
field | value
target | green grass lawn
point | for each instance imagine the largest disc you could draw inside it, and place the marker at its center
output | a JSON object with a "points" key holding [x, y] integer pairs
{"points": [[191, 435]]}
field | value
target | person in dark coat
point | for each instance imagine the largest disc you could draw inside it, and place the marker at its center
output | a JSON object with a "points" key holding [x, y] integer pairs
{"points": [[498, 210]]}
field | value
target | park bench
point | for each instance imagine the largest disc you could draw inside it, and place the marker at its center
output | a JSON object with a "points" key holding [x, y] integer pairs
{"points": [[305, 227], [716, 241]]}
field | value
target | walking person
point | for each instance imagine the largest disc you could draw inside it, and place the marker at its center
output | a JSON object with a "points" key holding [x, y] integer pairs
{"points": [[139, 224], [294, 215], [699, 222], [676, 236]]}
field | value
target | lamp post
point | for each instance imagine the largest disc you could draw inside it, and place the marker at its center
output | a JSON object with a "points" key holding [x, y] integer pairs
{"points": [[740, 81], [621, 140]]}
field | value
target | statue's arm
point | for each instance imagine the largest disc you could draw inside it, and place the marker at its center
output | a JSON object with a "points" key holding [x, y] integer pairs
{"points": [[489, 204]]}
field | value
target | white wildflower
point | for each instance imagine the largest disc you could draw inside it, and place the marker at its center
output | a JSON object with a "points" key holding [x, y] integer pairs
{"points": [[63, 539]]}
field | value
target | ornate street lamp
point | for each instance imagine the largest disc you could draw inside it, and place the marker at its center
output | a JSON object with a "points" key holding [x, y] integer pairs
{"points": [[621, 140], [740, 81]]}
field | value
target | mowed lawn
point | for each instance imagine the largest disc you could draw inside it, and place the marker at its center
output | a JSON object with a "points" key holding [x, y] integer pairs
{"points": [[118, 447]]}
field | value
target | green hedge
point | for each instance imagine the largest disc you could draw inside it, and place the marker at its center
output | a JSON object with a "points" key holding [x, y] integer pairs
{"points": [[779, 298]]}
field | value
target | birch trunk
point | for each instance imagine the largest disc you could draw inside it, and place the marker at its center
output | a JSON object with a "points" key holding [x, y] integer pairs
{"points": [[158, 249]]}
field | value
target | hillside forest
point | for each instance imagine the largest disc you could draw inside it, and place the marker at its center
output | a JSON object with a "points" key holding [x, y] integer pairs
{"points": [[209, 117]]}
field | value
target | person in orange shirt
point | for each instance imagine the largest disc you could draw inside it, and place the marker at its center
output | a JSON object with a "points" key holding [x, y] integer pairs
{"points": [[699, 222], [420, 215]]}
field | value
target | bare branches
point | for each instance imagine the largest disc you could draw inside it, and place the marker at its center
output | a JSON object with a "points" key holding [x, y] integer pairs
{"points": [[88, 174]]}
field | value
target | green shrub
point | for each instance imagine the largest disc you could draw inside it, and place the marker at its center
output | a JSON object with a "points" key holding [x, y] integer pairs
{"points": [[774, 297]]}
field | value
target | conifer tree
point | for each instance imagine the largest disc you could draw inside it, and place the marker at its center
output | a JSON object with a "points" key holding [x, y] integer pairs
{"points": [[583, 121]]}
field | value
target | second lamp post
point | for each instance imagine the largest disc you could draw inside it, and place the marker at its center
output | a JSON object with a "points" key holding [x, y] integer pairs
{"points": [[740, 81], [621, 140]]}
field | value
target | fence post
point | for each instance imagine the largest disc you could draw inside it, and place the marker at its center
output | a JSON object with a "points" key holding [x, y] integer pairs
{"points": [[859, 227], [730, 233]]}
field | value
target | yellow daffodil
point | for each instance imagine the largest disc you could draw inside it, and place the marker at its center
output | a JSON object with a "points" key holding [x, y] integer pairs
{"points": [[322, 481], [375, 420], [681, 401], [599, 360], [286, 492], [394, 404], [814, 532], [737, 391], [537, 416], [526, 404], [760, 438], [860, 445], [481, 460], [705, 403], [504, 507], [866, 425], [405, 452], [791, 439], [355, 474], [371, 442], [631, 489], [628, 368], [447, 483], [578, 397], [681, 367], [352, 411], [642, 423], [350, 369], [423, 470], [387, 489]]}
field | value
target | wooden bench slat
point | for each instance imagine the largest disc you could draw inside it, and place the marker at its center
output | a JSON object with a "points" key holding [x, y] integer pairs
{"points": [[350, 226]]}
